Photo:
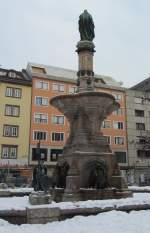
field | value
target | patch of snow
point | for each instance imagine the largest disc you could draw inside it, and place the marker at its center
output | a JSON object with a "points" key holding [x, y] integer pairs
{"points": [[15, 203], [24, 190], [18, 190], [143, 188], [3, 223]]}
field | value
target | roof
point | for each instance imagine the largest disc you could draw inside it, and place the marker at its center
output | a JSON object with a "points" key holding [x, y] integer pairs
{"points": [[14, 76], [52, 72], [142, 86]]}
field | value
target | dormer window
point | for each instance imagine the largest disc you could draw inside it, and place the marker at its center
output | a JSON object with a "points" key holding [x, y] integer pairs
{"points": [[3, 73], [38, 70], [12, 74]]}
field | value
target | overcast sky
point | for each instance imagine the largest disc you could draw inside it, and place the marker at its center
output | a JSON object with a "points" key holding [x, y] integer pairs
{"points": [[46, 32]]}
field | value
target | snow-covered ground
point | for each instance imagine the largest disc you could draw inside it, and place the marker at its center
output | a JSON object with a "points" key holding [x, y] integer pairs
{"points": [[142, 188], [24, 190], [109, 222], [27, 190], [18, 190], [20, 203]]}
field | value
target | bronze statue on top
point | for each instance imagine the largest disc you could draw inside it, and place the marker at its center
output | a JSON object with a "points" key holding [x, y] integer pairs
{"points": [[86, 26]]}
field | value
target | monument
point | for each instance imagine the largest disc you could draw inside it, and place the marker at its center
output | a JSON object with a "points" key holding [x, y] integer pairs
{"points": [[88, 169], [91, 170]]}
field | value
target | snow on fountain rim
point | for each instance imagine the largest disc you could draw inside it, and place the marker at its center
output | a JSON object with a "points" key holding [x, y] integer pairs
{"points": [[21, 203]]}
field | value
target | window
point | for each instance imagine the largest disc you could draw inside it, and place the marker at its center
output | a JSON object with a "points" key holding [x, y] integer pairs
{"points": [[118, 125], [38, 70], [10, 130], [3, 73], [142, 140], [57, 136], [117, 96], [121, 156], [9, 151], [140, 126], [72, 90], [138, 100], [42, 85], [106, 124], [12, 110], [12, 74], [108, 139], [13, 92], [9, 91], [58, 120], [17, 93], [35, 153], [58, 87], [119, 140], [39, 135], [40, 118], [118, 112], [143, 153], [139, 113], [55, 154], [41, 101]]}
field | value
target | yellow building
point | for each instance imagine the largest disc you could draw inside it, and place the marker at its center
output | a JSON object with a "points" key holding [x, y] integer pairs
{"points": [[15, 108]]}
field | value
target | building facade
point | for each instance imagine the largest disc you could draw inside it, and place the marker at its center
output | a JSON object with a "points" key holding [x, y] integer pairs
{"points": [[138, 132], [28, 119], [114, 127], [53, 127], [15, 105]]}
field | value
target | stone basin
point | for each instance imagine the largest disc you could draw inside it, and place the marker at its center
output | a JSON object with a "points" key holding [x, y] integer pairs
{"points": [[100, 102], [85, 112]]}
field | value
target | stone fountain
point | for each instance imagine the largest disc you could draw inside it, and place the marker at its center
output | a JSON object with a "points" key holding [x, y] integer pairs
{"points": [[88, 169]]}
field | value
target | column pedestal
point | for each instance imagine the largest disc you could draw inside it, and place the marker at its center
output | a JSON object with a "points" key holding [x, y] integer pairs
{"points": [[85, 50]]}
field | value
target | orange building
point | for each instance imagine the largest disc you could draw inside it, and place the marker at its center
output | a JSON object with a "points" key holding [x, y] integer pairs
{"points": [[114, 127], [47, 82]]}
